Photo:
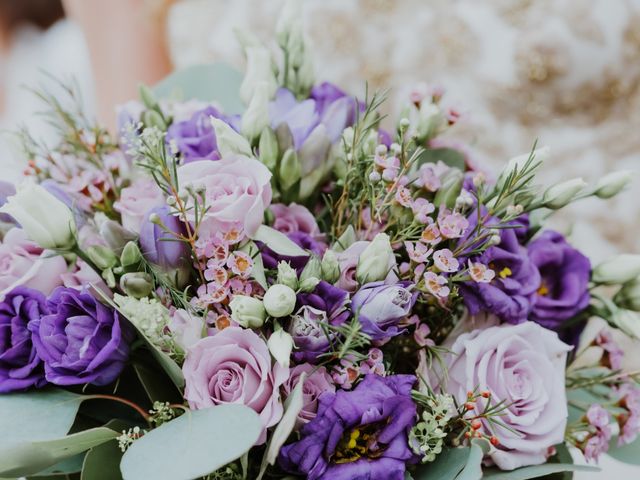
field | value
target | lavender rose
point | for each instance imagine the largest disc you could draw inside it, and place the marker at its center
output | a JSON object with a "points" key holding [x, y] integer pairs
{"points": [[295, 218], [234, 366], [237, 192], [357, 434], [510, 295], [81, 340], [23, 263], [20, 367], [522, 365], [136, 200], [317, 381], [381, 307], [565, 273], [195, 138]]}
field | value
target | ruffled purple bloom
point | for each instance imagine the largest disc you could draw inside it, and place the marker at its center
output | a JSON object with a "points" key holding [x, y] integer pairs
{"points": [[20, 366], [81, 340], [510, 295], [270, 259], [565, 273], [325, 305], [381, 307], [159, 246], [196, 137], [378, 414]]}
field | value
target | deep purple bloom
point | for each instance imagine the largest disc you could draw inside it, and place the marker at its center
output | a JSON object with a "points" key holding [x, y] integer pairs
{"points": [[325, 305], [196, 137], [381, 307], [510, 295], [80, 340], [20, 366], [565, 273], [377, 414], [159, 246]]}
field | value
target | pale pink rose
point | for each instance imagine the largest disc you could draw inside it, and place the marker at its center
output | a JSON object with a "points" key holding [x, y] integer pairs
{"points": [[295, 218], [136, 200], [85, 277], [317, 381], [187, 329], [237, 192], [234, 366], [524, 367], [23, 263]]}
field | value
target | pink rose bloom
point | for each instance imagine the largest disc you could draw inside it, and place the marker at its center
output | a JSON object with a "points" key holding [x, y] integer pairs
{"points": [[136, 200], [295, 218], [315, 384], [524, 366], [23, 263], [237, 192], [186, 328], [234, 366]]}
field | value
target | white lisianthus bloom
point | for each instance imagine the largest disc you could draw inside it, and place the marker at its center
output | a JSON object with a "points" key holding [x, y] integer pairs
{"points": [[259, 70], [256, 117], [47, 220], [280, 344]]}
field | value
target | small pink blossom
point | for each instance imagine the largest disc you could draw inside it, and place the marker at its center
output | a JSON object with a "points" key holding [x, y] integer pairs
{"points": [[421, 336], [445, 261], [452, 225], [384, 162], [614, 353], [418, 252], [598, 417], [240, 263], [422, 208], [403, 197], [598, 442], [216, 273], [480, 273], [212, 293], [431, 234], [436, 285], [389, 174]]}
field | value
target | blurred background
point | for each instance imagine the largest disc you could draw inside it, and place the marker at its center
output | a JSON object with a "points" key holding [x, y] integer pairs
{"points": [[563, 72]]}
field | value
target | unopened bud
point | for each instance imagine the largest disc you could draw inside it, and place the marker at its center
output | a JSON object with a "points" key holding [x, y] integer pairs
{"points": [[620, 269], [290, 170], [330, 267], [268, 148], [136, 285], [561, 194], [102, 257], [612, 184], [287, 275]]}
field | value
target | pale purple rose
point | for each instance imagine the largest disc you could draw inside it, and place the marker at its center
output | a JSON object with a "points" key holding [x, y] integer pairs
{"points": [[136, 200], [294, 218], [23, 263], [186, 328], [524, 366], [237, 192], [348, 262], [317, 381], [234, 366]]}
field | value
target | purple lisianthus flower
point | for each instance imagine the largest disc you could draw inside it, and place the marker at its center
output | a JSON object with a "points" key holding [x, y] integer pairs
{"points": [[565, 273], [80, 340], [196, 137], [325, 305], [20, 366], [270, 259], [381, 307], [377, 415], [159, 246], [510, 295]]}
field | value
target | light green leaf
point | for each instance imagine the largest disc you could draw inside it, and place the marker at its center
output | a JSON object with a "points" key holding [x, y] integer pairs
{"points": [[292, 407], [66, 466], [446, 466], [194, 444], [626, 453], [279, 242], [28, 458], [257, 272], [536, 471], [473, 469], [347, 239], [37, 416], [103, 462], [217, 82]]}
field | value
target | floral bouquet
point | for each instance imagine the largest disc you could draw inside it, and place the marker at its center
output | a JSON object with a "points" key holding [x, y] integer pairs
{"points": [[303, 290]]}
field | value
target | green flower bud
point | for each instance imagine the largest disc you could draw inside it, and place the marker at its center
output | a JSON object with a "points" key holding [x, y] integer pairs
{"points": [[137, 284], [627, 321], [102, 257], [374, 261], [561, 194], [330, 267], [131, 255], [629, 295], [279, 301], [309, 284], [151, 118], [268, 148], [287, 275], [147, 97], [228, 140], [256, 117], [290, 170], [612, 184], [280, 344], [313, 269], [617, 270], [248, 311]]}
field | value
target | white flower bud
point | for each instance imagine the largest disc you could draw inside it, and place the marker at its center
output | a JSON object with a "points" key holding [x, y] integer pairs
{"points": [[612, 184], [258, 71], [517, 163], [248, 311], [629, 295], [291, 14], [256, 117], [229, 141], [627, 321], [287, 275], [373, 264], [620, 269], [47, 220], [561, 194], [280, 344], [279, 301]]}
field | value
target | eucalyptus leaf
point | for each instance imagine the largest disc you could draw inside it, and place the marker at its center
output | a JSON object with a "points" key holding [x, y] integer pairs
{"points": [[536, 471], [446, 466], [192, 445], [65, 467], [103, 462], [473, 469], [279, 242], [218, 82], [629, 453], [28, 458]]}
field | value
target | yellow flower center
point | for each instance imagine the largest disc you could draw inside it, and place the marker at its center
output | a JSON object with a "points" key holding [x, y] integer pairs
{"points": [[543, 290], [357, 443], [505, 272]]}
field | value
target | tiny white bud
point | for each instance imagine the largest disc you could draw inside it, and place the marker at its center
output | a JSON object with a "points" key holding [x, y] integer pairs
{"points": [[404, 123], [561, 194], [375, 177], [395, 148]]}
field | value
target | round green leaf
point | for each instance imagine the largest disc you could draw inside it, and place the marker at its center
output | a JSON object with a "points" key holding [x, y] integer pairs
{"points": [[193, 445], [103, 462]]}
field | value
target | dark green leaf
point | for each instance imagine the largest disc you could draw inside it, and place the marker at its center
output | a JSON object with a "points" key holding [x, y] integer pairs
{"points": [[535, 471]]}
